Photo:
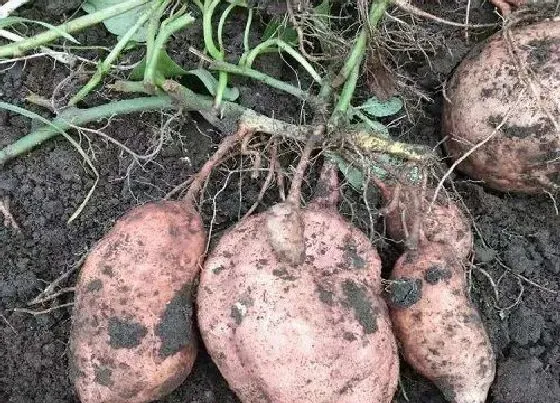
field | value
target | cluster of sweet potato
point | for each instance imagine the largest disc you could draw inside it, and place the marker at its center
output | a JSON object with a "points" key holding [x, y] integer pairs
{"points": [[290, 303]]}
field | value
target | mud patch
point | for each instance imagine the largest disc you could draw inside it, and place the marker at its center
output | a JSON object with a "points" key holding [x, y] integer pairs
{"points": [[94, 285], [175, 326], [435, 274], [125, 334], [103, 376], [358, 299], [325, 296], [404, 292]]}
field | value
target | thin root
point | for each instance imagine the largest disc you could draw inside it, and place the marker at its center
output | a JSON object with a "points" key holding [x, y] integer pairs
{"points": [[9, 220]]}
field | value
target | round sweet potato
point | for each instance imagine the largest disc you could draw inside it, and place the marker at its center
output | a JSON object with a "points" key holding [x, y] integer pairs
{"points": [[132, 329], [445, 223], [439, 330], [518, 99], [308, 326]]}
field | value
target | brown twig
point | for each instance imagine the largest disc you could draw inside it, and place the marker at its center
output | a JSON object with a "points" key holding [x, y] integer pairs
{"points": [[269, 177], [9, 220], [204, 173], [294, 195]]}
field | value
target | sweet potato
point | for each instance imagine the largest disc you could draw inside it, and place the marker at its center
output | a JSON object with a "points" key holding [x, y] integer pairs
{"points": [[132, 332], [132, 326], [440, 331], [508, 94], [290, 310], [445, 223]]}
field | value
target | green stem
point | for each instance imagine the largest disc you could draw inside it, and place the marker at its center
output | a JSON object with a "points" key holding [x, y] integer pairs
{"points": [[257, 75], [105, 66], [376, 11], [347, 93], [261, 47], [209, 6], [152, 33], [247, 31], [222, 22], [76, 117], [168, 28], [19, 48]]}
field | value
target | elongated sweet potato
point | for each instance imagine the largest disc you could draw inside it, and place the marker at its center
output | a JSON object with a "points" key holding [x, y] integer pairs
{"points": [[290, 309], [445, 223], [439, 330], [504, 98], [132, 332]]}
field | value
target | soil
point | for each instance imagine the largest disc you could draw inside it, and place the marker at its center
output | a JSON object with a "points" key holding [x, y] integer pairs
{"points": [[517, 236]]}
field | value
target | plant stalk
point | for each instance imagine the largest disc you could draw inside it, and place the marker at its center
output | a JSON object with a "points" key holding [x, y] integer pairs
{"points": [[19, 48]]}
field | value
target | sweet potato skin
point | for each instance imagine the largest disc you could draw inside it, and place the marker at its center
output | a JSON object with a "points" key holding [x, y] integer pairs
{"points": [[314, 332], [440, 331], [132, 331], [485, 89], [445, 223]]}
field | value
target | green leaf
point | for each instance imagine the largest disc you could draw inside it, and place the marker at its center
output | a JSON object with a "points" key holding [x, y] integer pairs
{"points": [[11, 20], [323, 12], [278, 29], [353, 175], [120, 24], [371, 124], [377, 108], [167, 68]]}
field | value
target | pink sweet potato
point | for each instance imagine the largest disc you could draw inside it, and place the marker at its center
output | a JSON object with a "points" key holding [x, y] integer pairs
{"points": [[440, 332], [290, 309], [132, 327], [132, 332], [445, 223], [504, 98]]}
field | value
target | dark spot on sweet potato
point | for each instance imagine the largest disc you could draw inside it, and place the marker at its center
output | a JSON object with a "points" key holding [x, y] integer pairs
{"points": [[433, 352], [175, 326], [125, 333], [227, 254], [357, 298], [218, 270], [540, 51], [434, 274], [349, 336], [107, 270], [513, 131], [404, 292], [94, 285], [325, 296], [350, 254], [450, 329], [417, 316], [456, 292], [283, 273], [123, 365], [446, 388], [236, 314], [103, 376]]}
